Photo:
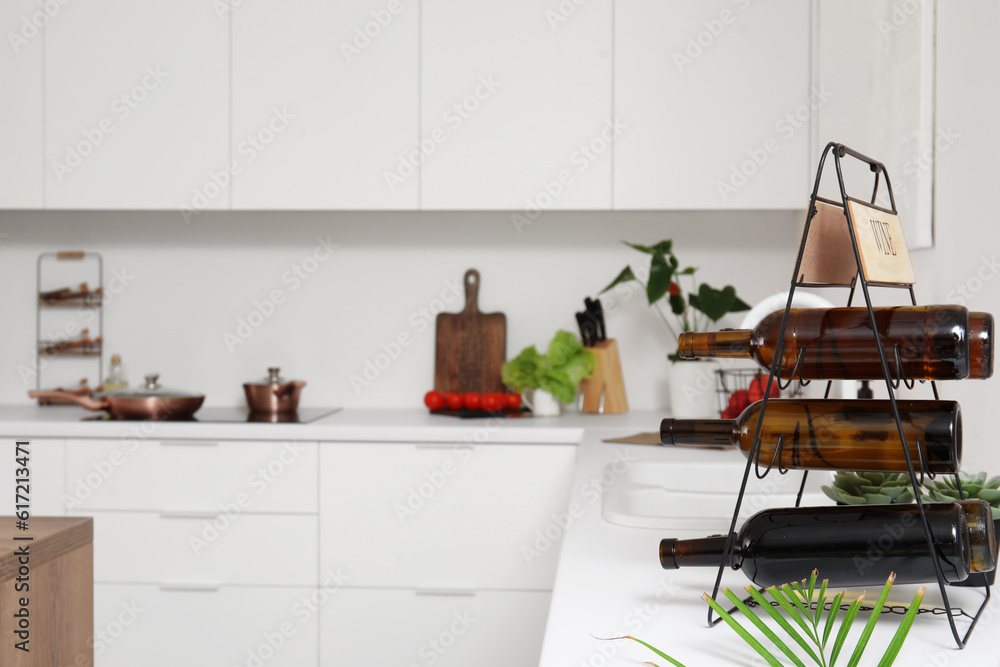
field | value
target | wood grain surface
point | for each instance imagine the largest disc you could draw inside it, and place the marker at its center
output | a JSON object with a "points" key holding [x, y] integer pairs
{"points": [[471, 346]]}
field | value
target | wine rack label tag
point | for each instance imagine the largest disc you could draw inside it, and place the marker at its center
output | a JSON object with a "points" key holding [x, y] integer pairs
{"points": [[884, 255], [828, 258]]}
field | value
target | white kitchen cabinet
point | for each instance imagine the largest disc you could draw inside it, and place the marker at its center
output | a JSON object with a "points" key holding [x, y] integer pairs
{"points": [[716, 103], [137, 105], [48, 467], [434, 516], [375, 628], [515, 105], [149, 626], [345, 76], [189, 550], [191, 475], [21, 115]]}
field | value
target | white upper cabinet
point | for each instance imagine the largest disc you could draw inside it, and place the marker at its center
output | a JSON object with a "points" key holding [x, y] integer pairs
{"points": [[325, 104], [136, 105], [716, 101], [21, 168], [516, 105]]}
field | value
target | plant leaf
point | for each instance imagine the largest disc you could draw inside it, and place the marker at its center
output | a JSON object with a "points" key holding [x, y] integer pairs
{"points": [[677, 304], [625, 276], [689, 271], [788, 590], [782, 621], [872, 620], [845, 627], [661, 248], [651, 648], [716, 303], [760, 625], [741, 631], [904, 628], [790, 610], [834, 611], [660, 274]]}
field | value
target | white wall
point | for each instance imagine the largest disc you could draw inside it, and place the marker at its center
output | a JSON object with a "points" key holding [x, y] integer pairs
{"points": [[190, 284]]}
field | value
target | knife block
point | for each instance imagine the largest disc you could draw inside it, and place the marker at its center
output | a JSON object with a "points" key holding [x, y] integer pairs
{"points": [[607, 381]]}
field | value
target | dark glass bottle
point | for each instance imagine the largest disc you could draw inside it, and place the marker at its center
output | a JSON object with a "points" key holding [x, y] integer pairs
{"points": [[934, 342], [851, 545], [822, 434]]}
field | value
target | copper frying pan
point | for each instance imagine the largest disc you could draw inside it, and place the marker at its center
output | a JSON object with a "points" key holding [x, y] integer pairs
{"points": [[151, 401]]}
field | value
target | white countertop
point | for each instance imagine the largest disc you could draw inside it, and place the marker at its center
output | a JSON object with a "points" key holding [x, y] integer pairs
{"points": [[348, 425], [609, 583]]}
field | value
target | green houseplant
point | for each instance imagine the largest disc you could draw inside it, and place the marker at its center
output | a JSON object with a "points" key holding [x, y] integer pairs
{"points": [[695, 307], [557, 372]]}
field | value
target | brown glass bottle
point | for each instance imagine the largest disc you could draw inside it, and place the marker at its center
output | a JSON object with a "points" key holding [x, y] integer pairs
{"points": [[851, 545], [934, 342], [822, 434]]}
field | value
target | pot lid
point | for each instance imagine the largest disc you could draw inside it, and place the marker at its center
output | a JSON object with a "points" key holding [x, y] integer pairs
{"points": [[150, 388], [273, 377]]}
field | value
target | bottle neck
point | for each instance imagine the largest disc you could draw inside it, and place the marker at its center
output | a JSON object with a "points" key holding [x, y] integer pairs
{"points": [[731, 343], [706, 552], [699, 432]]}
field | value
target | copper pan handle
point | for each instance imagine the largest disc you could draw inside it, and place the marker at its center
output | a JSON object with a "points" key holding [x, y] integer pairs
{"points": [[85, 401]]}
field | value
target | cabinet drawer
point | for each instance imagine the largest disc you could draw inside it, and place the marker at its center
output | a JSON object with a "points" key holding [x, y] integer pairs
{"points": [[168, 549], [375, 628], [415, 516], [153, 627], [201, 475]]}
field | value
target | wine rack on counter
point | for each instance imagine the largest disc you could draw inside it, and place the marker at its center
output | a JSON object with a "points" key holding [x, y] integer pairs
{"points": [[848, 243]]}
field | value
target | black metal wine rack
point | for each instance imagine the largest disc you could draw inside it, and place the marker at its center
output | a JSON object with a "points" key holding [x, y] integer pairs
{"points": [[839, 151]]}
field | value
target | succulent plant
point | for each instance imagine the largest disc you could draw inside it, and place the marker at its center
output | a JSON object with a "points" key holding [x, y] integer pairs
{"points": [[974, 486], [870, 488]]}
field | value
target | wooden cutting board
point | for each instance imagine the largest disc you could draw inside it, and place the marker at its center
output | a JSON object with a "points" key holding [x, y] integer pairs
{"points": [[471, 346]]}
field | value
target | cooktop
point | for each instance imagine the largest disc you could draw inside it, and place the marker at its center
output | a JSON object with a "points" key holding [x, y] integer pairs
{"points": [[237, 415]]}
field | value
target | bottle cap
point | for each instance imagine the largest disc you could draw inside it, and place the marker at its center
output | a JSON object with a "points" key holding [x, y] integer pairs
{"points": [[668, 546]]}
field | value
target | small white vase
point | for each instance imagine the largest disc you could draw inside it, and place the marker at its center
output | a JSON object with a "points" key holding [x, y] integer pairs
{"points": [[693, 389], [544, 404]]}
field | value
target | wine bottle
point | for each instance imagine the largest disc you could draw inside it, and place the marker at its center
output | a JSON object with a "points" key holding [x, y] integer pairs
{"points": [[822, 434], [934, 342], [850, 545]]}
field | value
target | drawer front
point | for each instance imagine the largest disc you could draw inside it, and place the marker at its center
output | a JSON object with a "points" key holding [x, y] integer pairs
{"points": [[149, 626], [418, 516], [189, 550], [201, 475], [47, 466], [376, 628]]}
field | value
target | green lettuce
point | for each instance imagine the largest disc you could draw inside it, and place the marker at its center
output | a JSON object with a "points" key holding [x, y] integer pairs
{"points": [[559, 371]]}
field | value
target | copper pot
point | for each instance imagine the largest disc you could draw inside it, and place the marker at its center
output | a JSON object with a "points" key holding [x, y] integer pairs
{"points": [[273, 395], [151, 401]]}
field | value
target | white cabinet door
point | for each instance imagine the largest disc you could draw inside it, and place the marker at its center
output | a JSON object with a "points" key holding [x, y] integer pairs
{"points": [[47, 466], [191, 475], [345, 78], [376, 628], [21, 168], [193, 550], [717, 104], [515, 105], [137, 105], [148, 626], [425, 516]]}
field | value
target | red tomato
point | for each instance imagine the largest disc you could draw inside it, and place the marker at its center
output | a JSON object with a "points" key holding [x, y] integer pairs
{"points": [[434, 400], [454, 401], [738, 402], [473, 401], [512, 401], [757, 387], [492, 402]]}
